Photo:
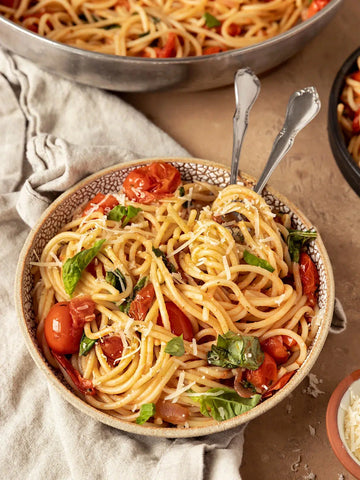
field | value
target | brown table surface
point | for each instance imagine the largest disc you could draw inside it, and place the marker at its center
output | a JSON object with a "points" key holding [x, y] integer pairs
{"points": [[309, 176]]}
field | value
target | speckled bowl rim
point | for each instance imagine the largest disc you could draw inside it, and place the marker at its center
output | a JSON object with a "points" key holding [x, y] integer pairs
{"points": [[332, 424], [156, 431]]}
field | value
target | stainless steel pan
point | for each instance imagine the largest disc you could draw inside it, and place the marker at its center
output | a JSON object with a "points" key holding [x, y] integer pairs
{"points": [[130, 74]]}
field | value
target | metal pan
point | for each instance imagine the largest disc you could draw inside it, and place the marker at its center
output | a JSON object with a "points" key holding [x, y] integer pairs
{"points": [[131, 74]]}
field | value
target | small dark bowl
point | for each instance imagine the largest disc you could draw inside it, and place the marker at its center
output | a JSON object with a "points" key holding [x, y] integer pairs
{"points": [[344, 160]]}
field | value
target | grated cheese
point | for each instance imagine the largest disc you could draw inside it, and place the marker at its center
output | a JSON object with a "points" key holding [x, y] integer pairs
{"points": [[194, 347], [352, 425], [174, 397], [206, 394], [189, 242]]}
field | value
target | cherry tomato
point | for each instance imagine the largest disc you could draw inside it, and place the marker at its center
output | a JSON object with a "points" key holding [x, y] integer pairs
{"points": [[264, 376], [148, 184], [112, 348], [356, 76], [289, 341], [171, 412], [10, 3], [179, 323], [316, 6], [356, 122], [82, 310], [91, 268], [279, 384], [102, 203], [62, 335], [234, 30], [84, 385], [212, 50], [309, 278], [142, 302], [169, 49], [275, 347]]}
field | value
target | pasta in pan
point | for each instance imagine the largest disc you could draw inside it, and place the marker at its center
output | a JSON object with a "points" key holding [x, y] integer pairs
{"points": [[157, 28], [348, 111], [176, 303]]}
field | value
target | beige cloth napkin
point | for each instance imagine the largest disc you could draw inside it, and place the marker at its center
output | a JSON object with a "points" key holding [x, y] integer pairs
{"points": [[53, 133]]}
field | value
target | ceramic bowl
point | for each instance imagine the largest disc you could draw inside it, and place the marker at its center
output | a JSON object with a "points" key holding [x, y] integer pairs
{"points": [[110, 180], [345, 162], [337, 406]]}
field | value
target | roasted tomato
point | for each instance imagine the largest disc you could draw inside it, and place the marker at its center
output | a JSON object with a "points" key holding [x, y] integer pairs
{"points": [[84, 385], [316, 6], [152, 182], [179, 322], [171, 412], [142, 302], [169, 49], [102, 203], [309, 278], [265, 376], [64, 324], [275, 347], [112, 348]]}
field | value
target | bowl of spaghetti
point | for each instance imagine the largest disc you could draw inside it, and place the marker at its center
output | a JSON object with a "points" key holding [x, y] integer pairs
{"points": [[344, 120], [147, 46], [160, 300]]}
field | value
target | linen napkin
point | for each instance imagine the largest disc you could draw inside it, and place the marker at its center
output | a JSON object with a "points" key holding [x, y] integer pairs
{"points": [[53, 133]]}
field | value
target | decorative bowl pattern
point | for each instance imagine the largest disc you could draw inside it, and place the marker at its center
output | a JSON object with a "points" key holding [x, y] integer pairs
{"points": [[110, 180]]}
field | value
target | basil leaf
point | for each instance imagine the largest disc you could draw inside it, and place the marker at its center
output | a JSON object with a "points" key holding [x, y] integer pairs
{"points": [[155, 20], [123, 214], [125, 306], [73, 267], [144, 34], [296, 240], [181, 191], [166, 261], [211, 21], [224, 403], [147, 410], [110, 27], [233, 350], [116, 279], [251, 259], [175, 346], [86, 345]]}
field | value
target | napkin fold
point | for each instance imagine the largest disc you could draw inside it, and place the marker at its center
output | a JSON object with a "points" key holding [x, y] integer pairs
{"points": [[53, 133]]}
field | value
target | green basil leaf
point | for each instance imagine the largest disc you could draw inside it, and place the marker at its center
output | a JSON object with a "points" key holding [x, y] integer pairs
{"points": [[123, 214], [166, 261], [175, 346], [181, 191], [116, 279], [233, 350], [147, 410], [73, 267], [211, 21], [251, 259], [140, 284], [144, 34], [86, 345], [110, 27], [296, 240], [224, 403], [155, 20]]}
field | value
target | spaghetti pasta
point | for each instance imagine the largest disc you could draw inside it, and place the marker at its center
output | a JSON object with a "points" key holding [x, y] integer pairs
{"points": [[157, 28], [348, 112], [179, 303]]}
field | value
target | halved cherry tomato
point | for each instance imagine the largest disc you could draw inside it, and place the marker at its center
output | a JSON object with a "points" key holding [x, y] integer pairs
{"points": [[265, 376], [61, 334], [101, 202], [179, 323], [356, 122], [309, 278], [275, 347], [112, 348], [171, 412], [234, 30], [91, 268], [148, 184], [84, 385], [142, 302], [10, 3], [169, 49], [316, 6], [82, 310]]}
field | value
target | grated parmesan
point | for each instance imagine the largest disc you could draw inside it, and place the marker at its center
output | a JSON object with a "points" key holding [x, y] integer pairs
{"points": [[226, 267], [194, 347], [352, 425], [189, 242]]}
